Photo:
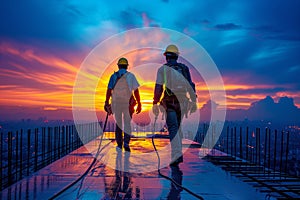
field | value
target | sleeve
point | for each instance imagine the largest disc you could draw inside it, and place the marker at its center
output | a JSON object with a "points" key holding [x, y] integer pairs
{"points": [[192, 84], [112, 82], [158, 90], [133, 83]]}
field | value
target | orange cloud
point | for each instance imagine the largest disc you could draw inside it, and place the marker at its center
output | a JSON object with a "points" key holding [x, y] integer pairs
{"points": [[33, 77]]}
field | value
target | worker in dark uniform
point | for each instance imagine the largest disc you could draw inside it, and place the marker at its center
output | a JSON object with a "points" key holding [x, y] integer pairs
{"points": [[173, 83]]}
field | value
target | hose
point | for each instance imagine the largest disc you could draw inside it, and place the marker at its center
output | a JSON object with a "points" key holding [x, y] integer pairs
{"points": [[166, 177], [88, 169]]}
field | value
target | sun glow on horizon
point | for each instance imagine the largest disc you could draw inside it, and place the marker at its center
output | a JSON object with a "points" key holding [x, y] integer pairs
{"points": [[34, 78]]}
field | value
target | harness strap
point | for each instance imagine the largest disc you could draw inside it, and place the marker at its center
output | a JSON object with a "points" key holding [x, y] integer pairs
{"points": [[165, 81], [165, 77], [119, 77]]}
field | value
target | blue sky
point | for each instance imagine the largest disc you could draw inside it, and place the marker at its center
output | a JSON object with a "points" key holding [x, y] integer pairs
{"points": [[255, 44]]}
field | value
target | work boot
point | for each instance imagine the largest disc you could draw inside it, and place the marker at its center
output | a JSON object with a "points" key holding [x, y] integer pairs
{"points": [[176, 162]]}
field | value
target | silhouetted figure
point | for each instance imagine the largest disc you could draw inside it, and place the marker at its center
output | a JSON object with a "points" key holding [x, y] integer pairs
{"points": [[123, 88], [173, 81]]}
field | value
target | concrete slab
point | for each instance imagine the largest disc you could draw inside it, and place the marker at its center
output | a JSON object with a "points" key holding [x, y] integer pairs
{"points": [[123, 175]]}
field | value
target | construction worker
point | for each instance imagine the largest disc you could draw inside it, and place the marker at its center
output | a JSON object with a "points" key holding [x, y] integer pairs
{"points": [[173, 82], [123, 88]]}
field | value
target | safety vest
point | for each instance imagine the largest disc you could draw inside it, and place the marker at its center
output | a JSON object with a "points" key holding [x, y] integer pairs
{"points": [[175, 80]]}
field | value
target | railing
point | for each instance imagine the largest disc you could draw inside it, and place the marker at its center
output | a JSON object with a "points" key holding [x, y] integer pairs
{"points": [[274, 150], [24, 152]]}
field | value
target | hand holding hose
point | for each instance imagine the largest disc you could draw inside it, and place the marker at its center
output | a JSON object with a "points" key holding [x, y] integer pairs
{"points": [[155, 110], [107, 108]]}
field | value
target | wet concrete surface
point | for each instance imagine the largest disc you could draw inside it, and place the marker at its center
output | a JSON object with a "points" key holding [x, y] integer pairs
{"points": [[122, 175]]}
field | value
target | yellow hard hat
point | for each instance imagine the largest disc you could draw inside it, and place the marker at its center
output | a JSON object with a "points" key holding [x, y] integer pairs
{"points": [[171, 49], [122, 61]]}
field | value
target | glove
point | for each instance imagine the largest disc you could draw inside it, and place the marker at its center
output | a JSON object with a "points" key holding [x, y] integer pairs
{"points": [[155, 110], [192, 107], [107, 108], [139, 108]]}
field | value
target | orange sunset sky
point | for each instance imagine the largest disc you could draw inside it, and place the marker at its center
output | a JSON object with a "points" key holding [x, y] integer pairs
{"points": [[41, 51], [46, 79]]}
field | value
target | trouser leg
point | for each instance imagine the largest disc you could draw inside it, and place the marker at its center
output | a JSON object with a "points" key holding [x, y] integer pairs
{"points": [[118, 132], [173, 127], [180, 134], [127, 127]]}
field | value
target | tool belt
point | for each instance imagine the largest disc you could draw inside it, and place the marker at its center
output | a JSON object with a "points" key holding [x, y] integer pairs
{"points": [[172, 103]]}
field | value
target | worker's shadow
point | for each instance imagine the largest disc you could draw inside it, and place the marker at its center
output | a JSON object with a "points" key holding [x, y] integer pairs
{"points": [[121, 187], [176, 175]]}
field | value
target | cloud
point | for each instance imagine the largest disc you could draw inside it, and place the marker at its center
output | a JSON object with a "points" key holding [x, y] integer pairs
{"points": [[227, 27], [284, 37], [35, 77], [250, 48], [32, 19], [265, 28], [255, 91], [268, 32], [129, 18], [268, 109]]}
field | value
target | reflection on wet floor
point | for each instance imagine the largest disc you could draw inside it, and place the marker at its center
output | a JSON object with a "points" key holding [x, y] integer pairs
{"points": [[176, 175], [123, 175], [121, 187]]}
